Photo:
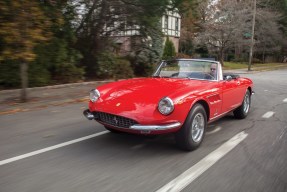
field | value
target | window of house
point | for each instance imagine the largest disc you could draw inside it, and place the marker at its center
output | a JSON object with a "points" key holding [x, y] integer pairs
{"points": [[176, 24], [166, 22]]}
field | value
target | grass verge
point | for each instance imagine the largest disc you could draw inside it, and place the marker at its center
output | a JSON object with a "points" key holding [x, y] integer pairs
{"points": [[257, 66]]}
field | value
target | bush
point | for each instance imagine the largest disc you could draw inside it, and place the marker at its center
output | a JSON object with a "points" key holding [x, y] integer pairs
{"points": [[240, 60], [255, 60], [111, 66], [122, 69], [169, 50], [182, 55], [105, 65], [38, 76], [9, 74], [68, 73]]}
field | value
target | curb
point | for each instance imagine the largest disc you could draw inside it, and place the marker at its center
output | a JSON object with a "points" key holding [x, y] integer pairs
{"points": [[56, 86], [24, 108], [236, 71]]}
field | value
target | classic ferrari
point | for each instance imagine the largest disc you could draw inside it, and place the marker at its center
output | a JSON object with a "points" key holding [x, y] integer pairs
{"points": [[181, 97]]}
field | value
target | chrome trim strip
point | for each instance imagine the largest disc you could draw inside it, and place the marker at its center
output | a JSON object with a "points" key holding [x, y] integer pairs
{"points": [[220, 115], [155, 127]]}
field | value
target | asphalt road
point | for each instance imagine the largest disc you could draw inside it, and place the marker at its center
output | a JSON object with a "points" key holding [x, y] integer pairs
{"points": [[123, 163]]}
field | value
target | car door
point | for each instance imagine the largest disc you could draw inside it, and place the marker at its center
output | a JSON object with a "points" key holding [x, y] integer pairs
{"points": [[231, 94]]}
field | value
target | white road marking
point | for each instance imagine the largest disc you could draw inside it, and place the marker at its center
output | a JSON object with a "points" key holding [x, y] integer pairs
{"points": [[268, 114], [139, 146], [195, 171], [285, 100], [214, 131], [6, 161]]}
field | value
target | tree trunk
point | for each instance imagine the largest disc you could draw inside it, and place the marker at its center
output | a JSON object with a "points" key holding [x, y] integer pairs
{"points": [[221, 57], [263, 54], [252, 37], [24, 81]]}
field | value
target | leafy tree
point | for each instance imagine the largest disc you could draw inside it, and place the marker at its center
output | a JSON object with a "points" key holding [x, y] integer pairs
{"points": [[55, 59], [146, 51], [226, 23], [59, 55], [223, 23], [103, 19], [192, 12], [169, 50], [23, 25], [111, 66]]}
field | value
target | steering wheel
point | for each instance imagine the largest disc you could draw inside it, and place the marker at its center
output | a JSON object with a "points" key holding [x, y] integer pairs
{"points": [[208, 76]]}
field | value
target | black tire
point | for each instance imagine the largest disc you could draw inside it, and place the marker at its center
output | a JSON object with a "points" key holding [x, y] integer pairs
{"points": [[191, 135], [242, 111]]}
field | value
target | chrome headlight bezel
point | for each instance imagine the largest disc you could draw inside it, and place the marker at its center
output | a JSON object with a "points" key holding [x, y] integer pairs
{"points": [[165, 106], [94, 95]]}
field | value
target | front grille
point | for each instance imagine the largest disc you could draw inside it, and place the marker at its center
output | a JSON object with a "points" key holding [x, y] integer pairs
{"points": [[114, 120]]}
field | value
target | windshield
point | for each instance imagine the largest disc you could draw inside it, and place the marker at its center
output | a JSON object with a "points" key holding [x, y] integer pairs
{"points": [[193, 69]]}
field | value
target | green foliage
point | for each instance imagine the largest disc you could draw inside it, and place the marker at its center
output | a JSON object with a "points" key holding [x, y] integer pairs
{"points": [[147, 50], [141, 64], [68, 73], [38, 75], [54, 60], [60, 60], [186, 47], [111, 66], [122, 69], [9, 74], [256, 60], [202, 51], [22, 26], [240, 60], [169, 50], [130, 14], [105, 65]]}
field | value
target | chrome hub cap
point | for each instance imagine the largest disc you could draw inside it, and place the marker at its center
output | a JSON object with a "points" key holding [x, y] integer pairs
{"points": [[246, 103], [197, 127]]}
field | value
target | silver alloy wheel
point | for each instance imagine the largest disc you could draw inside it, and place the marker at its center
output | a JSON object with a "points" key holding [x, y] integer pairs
{"points": [[246, 103], [197, 128]]}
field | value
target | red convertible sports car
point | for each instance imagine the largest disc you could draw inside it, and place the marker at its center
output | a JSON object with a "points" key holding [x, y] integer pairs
{"points": [[181, 97]]}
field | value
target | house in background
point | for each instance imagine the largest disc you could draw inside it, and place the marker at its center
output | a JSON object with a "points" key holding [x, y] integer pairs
{"points": [[170, 24]]}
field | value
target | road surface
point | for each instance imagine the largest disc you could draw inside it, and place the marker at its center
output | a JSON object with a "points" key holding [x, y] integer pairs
{"points": [[56, 149]]}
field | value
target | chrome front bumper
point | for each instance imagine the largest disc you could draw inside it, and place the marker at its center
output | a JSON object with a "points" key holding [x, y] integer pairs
{"points": [[90, 116], [155, 127]]}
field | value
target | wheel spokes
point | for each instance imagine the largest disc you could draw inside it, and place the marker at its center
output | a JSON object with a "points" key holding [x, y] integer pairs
{"points": [[197, 127], [246, 103]]}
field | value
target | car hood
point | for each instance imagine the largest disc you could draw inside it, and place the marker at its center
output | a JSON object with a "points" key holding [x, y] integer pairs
{"points": [[147, 90], [141, 95]]}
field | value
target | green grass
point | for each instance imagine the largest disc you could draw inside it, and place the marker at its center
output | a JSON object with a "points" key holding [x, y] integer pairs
{"points": [[233, 65], [257, 66]]}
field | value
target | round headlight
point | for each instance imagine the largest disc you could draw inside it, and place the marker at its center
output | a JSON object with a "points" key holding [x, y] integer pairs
{"points": [[165, 106], [94, 95]]}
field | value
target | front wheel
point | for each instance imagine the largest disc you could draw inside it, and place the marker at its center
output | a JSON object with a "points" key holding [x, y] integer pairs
{"points": [[242, 111], [190, 136]]}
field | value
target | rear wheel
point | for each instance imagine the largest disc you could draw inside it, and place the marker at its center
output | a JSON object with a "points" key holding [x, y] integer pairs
{"points": [[242, 111], [190, 136]]}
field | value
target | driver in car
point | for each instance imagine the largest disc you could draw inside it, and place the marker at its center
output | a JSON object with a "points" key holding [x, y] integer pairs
{"points": [[213, 70]]}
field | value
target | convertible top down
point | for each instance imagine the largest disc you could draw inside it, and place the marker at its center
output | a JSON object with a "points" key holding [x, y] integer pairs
{"points": [[181, 97]]}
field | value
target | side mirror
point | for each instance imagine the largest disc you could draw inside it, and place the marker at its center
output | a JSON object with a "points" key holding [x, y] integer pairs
{"points": [[228, 78]]}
